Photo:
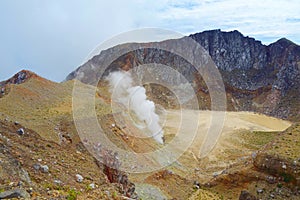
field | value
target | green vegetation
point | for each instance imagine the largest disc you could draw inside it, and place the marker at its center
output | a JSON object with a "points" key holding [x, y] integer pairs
{"points": [[88, 188], [114, 195], [257, 139], [72, 194]]}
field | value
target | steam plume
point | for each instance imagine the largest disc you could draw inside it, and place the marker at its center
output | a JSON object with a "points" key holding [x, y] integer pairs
{"points": [[134, 99]]}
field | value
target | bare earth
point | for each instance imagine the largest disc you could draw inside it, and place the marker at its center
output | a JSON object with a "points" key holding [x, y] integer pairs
{"points": [[184, 125], [185, 132]]}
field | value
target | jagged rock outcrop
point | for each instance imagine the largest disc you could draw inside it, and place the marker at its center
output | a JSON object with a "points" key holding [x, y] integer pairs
{"points": [[231, 50], [111, 168], [256, 65], [257, 77], [260, 78]]}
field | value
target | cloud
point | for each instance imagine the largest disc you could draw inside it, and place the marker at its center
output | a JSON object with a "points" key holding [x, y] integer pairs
{"points": [[53, 37], [260, 19]]}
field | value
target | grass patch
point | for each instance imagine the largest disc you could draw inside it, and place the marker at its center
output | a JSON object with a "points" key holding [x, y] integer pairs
{"points": [[257, 139], [72, 194]]}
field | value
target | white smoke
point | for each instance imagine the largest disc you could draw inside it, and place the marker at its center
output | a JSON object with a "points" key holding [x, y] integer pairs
{"points": [[134, 99]]}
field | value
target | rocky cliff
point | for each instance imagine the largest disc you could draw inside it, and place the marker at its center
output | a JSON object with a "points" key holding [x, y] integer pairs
{"points": [[257, 77]]}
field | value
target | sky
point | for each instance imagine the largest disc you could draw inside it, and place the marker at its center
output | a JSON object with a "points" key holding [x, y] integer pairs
{"points": [[53, 37]]}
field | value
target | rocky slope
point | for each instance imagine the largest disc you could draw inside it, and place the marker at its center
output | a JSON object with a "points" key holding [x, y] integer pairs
{"points": [[257, 77], [281, 157], [279, 162], [35, 168], [41, 154]]}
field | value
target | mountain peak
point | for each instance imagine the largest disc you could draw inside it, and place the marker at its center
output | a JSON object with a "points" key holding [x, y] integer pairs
{"points": [[284, 42], [21, 77]]}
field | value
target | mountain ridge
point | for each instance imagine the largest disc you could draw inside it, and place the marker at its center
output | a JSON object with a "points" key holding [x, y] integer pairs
{"points": [[257, 77]]}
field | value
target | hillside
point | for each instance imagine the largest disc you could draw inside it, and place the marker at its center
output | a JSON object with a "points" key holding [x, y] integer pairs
{"points": [[41, 152], [44, 110], [37, 100]]}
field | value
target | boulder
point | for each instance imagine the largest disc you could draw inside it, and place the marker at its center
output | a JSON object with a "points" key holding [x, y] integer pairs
{"points": [[15, 193], [79, 178], [44, 168], [21, 131]]}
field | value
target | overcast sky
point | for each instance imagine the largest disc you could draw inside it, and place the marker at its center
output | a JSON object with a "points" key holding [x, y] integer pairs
{"points": [[53, 37]]}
